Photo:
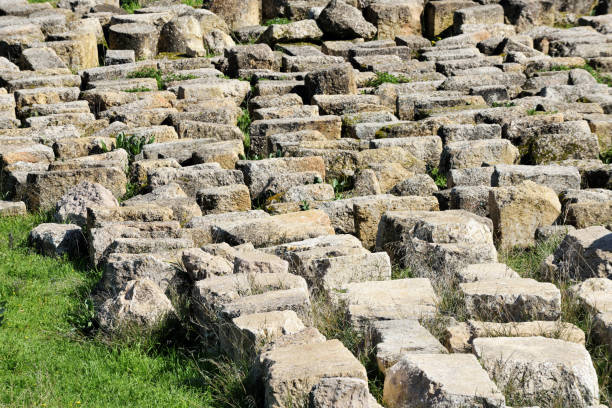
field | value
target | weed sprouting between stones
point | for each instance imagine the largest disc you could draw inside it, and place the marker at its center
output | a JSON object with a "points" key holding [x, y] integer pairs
{"points": [[277, 20], [439, 177], [385, 77], [158, 75], [130, 5]]}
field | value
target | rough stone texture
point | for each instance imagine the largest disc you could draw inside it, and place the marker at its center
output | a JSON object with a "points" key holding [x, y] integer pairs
{"points": [[72, 207], [341, 392], [512, 299], [538, 368], [238, 13], [248, 333], [458, 338], [338, 80], [141, 303], [395, 17], [458, 155], [441, 380], [10, 209], [44, 189], [224, 199], [395, 338], [558, 178], [58, 239], [142, 38], [595, 293], [275, 230], [486, 272], [367, 214], [342, 21], [290, 372], [388, 300], [519, 210], [583, 254]]}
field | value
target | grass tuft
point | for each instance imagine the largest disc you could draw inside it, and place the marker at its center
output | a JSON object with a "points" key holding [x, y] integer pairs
{"points": [[130, 5], [439, 177], [385, 77], [606, 156], [193, 3], [140, 89], [277, 20]]}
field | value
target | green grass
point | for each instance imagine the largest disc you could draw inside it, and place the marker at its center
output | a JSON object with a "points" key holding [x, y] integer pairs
{"points": [[193, 3], [277, 20], [46, 359], [606, 156], [140, 89], [132, 144], [385, 77], [534, 112], [439, 178], [130, 5], [502, 104], [600, 78], [244, 123]]}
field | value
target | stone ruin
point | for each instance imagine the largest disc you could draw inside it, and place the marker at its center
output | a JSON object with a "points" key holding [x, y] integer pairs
{"points": [[263, 172]]}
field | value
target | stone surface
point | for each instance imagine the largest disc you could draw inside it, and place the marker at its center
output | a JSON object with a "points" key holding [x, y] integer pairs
{"points": [[10, 208], [443, 380], [341, 392], [342, 21], [395, 338], [290, 372], [538, 368], [519, 210], [388, 300], [583, 254], [141, 304], [486, 272], [72, 207], [512, 299], [58, 240]]}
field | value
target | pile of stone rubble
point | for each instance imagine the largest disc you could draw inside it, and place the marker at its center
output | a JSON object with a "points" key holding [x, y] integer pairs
{"points": [[261, 173]]}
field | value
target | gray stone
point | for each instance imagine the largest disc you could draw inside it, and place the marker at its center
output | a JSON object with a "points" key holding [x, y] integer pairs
{"points": [[395, 338], [458, 380], [141, 303], [584, 253], [58, 240], [342, 21], [341, 392], [539, 369], [72, 207], [142, 38], [512, 299], [558, 178]]}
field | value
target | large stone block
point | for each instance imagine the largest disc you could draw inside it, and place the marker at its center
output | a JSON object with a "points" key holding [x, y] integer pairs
{"points": [[441, 380], [518, 211], [290, 372], [394, 18], [512, 299], [275, 230], [399, 299], [538, 369], [44, 189]]}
